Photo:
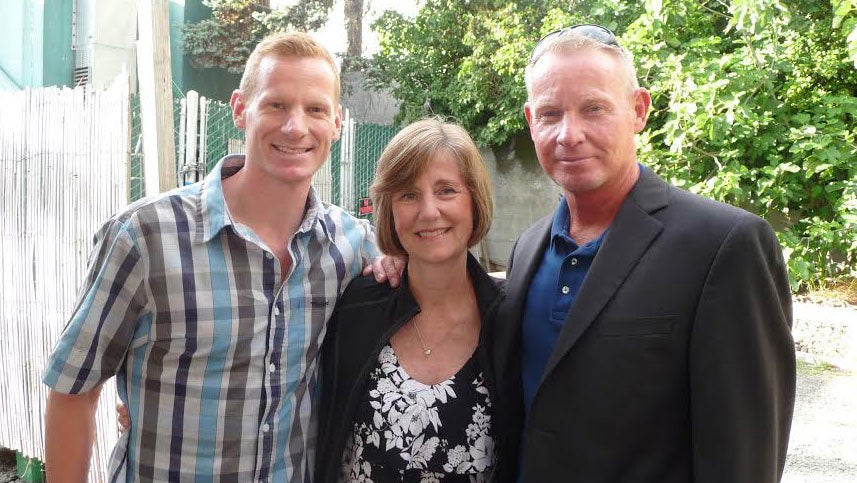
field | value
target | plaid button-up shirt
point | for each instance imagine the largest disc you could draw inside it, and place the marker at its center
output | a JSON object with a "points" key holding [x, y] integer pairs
{"points": [[216, 359]]}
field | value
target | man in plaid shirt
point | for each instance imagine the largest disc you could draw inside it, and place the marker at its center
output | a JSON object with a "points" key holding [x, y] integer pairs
{"points": [[209, 302]]}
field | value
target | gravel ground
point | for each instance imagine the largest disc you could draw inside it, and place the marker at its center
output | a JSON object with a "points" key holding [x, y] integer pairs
{"points": [[8, 470], [823, 443]]}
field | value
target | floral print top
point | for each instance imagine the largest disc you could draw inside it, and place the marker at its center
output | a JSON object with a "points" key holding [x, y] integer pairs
{"points": [[405, 430]]}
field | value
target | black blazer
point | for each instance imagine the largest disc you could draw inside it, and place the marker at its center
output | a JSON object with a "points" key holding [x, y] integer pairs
{"points": [[366, 316], [676, 362]]}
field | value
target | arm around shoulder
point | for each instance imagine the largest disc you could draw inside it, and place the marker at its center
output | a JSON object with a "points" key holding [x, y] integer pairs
{"points": [[742, 361], [69, 435]]}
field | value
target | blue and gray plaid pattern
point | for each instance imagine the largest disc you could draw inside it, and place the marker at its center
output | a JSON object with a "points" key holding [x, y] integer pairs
{"points": [[215, 358]]}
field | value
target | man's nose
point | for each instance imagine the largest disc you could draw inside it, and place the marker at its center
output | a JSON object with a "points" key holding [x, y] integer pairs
{"points": [[295, 123], [571, 131]]}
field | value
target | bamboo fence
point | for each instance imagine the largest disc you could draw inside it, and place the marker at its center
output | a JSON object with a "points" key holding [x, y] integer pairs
{"points": [[64, 157]]}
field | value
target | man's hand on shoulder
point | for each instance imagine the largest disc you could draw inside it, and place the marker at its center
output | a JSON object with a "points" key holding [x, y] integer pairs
{"points": [[386, 268]]}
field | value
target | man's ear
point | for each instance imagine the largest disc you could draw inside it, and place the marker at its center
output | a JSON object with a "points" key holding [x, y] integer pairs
{"points": [[528, 115], [337, 122], [642, 103], [236, 102]]}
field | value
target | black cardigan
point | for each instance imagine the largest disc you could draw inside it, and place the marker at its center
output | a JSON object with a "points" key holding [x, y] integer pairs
{"points": [[366, 316]]}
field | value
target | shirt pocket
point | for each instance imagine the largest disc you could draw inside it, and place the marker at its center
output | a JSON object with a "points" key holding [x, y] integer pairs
{"points": [[651, 326]]}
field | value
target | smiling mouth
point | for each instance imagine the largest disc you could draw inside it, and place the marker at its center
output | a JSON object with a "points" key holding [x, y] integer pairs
{"points": [[432, 233], [291, 150]]}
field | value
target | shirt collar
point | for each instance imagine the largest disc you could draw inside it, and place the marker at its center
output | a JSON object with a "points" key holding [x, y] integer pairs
{"points": [[559, 229], [560, 219], [213, 214]]}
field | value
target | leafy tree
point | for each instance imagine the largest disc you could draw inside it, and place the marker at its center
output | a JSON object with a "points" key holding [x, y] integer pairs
{"points": [[845, 17], [228, 37], [753, 100], [755, 105]]}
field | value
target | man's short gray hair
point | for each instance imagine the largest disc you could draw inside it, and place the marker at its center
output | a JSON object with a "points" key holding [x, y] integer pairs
{"points": [[572, 42]]}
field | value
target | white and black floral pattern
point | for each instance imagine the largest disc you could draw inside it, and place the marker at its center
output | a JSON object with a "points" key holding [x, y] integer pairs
{"points": [[405, 430]]}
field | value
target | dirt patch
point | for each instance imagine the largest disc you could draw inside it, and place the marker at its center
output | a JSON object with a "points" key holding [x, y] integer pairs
{"points": [[840, 294]]}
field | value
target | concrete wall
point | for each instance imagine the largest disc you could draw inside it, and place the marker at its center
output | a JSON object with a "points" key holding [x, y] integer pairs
{"points": [[112, 40], [826, 333], [57, 56], [365, 104], [12, 40], [35, 43], [523, 194]]}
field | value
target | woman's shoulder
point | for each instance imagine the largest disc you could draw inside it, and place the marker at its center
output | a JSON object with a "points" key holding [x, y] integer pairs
{"points": [[365, 290]]}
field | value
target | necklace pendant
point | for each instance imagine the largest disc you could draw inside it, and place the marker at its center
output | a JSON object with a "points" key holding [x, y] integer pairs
{"points": [[427, 352]]}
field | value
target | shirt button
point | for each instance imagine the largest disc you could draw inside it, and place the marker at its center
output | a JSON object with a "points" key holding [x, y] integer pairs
{"points": [[265, 428], [268, 256], [574, 261], [565, 290], [272, 367], [277, 310]]}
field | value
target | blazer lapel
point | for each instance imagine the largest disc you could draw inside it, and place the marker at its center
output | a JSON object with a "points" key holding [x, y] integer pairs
{"points": [[631, 233], [507, 335], [528, 252]]}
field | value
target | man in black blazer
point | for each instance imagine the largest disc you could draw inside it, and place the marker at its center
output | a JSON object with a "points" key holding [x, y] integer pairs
{"points": [[650, 326]]}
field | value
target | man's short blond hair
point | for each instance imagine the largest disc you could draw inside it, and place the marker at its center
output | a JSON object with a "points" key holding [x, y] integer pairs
{"points": [[284, 45], [408, 155]]}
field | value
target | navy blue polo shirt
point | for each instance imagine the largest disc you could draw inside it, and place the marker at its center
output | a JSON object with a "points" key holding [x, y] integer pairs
{"points": [[554, 288]]}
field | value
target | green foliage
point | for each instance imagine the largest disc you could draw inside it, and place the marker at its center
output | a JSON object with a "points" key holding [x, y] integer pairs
{"points": [[228, 37], [845, 17], [753, 100], [759, 110], [461, 59]]}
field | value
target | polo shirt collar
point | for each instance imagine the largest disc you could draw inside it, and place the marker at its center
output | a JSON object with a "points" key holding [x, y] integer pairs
{"points": [[559, 229], [561, 218]]}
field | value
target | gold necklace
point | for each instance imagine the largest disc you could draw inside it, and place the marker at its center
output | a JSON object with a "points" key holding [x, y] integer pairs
{"points": [[428, 350]]}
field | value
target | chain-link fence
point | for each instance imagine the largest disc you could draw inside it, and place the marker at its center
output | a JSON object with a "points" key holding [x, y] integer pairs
{"points": [[222, 137], [136, 182], [218, 136], [369, 140]]}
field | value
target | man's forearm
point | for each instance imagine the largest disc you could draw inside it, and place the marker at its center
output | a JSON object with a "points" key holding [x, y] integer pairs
{"points": [[69, 434]]}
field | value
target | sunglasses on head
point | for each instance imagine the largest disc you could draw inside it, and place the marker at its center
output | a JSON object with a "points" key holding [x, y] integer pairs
{"points": [[592, 31]]}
